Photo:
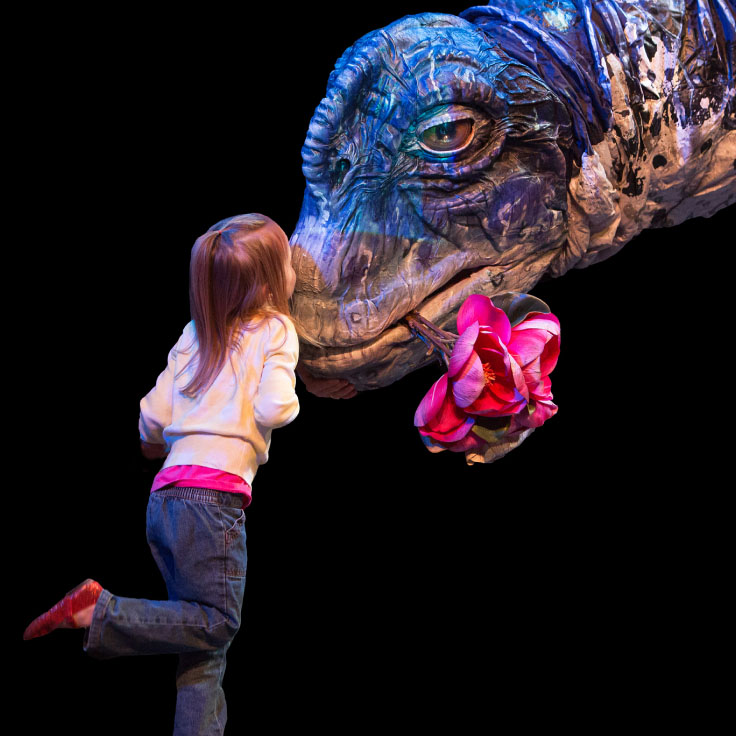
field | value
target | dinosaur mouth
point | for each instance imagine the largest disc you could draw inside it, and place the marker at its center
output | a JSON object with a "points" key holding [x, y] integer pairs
{"points": [[398, 349]]}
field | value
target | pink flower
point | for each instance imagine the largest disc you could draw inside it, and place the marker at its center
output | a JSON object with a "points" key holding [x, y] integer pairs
{"points": [[497, 383], [535, 344]]}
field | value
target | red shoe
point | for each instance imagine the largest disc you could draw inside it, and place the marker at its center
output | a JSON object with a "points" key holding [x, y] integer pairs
{"points": [[62, 614]]}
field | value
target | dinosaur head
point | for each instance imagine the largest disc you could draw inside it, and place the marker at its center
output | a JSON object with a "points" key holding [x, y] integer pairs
{"points": [[436, 167]]}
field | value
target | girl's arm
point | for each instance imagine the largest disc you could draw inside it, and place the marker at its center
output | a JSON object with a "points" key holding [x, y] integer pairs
{"points": [[276, 402], [156, 409]]}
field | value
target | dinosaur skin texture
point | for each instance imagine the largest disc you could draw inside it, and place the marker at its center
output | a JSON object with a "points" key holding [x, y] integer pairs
{"points": [[473, 154]]}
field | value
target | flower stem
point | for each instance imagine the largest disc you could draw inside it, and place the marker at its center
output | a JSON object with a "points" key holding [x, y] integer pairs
{"points": [[437, 339]]}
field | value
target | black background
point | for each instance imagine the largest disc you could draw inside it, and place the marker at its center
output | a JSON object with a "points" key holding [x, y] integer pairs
{"points": [[381, 579]]}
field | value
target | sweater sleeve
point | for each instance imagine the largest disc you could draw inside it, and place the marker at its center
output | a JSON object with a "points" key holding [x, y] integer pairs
{"points": [[276, 403], [156, 405]]}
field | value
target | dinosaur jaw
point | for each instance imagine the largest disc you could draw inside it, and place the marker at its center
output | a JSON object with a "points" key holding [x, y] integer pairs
{"points": [[396, 351]]}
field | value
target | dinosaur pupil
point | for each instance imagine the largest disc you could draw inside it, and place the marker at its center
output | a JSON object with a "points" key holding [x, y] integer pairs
{"points": [[445, 131]]}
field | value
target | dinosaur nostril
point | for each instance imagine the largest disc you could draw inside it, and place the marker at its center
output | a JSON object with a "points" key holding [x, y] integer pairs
{"points": [[341, 168]]}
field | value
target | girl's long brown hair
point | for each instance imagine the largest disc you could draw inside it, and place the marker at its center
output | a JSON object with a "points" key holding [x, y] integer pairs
{"points": [[237, 276]]}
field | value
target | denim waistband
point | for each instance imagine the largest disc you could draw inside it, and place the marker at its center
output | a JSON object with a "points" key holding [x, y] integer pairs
{"points": [[204, 495]]}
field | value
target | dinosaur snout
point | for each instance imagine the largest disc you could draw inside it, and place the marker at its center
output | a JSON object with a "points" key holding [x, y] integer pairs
{"points": [[340, 298]]}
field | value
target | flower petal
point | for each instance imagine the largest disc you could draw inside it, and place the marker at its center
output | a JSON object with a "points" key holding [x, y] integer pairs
{"points": [[471, 441], [519, 378], [538, 334], [479, 308], [527, 345], [463, 348], [549, 356], [505, 392], [469, 383], [453, 433], [431, 403], [541, 390], [543, 410], [537, 413], [439, 418], [476, 308], [488, 405], [538, 321], [498, 360]]}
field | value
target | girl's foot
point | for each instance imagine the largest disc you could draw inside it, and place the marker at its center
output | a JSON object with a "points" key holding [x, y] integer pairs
{"points": [[73, 611]]}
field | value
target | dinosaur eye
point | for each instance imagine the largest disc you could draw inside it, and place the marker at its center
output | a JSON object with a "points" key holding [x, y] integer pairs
{"points": [[448, 137], [448, 134]]}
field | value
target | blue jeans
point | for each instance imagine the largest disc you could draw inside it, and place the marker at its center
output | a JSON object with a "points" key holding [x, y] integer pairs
{"points": [[197, 537]]}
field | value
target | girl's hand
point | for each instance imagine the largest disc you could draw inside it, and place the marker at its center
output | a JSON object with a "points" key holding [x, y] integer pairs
{"points": [[153, 452], [327, 388]]}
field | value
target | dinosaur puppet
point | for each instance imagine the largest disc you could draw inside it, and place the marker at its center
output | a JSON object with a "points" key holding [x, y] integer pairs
{"points": [[474, 154]]}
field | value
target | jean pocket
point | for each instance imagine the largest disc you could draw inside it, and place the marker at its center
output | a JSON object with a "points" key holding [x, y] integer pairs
{"points": [[236, 527], [235, 544]]}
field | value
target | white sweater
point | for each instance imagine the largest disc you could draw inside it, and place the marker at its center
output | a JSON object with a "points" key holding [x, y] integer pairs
{"points": [[227, 427]]}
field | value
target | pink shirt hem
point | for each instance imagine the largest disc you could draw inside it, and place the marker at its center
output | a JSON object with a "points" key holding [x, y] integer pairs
{"points": [[198, 476]]}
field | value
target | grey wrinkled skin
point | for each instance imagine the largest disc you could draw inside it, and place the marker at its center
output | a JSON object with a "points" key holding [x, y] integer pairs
{"points": [[391, 223]]}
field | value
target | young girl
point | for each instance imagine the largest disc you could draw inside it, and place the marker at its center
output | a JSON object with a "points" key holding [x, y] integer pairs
{"points": [[229, 381]]}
